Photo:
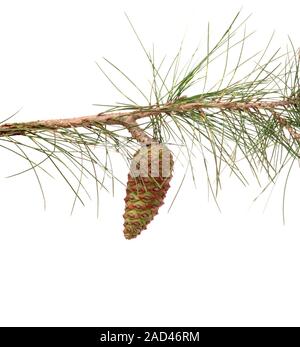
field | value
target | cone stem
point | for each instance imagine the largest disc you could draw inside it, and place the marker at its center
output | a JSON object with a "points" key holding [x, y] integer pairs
{"points": [[136, 132]]}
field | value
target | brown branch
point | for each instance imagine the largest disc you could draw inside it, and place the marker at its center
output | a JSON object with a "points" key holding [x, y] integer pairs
{"points": [[284, 124], [128, 119]]}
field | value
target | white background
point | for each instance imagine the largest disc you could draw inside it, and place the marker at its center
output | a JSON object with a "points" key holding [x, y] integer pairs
{"points": [[193, 266]]}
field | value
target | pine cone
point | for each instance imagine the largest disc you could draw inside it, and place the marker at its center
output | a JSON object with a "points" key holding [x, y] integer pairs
{"points": [[148, 183]]}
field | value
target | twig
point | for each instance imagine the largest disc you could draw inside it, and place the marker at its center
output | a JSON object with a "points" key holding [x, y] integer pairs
{"points": [[284, 124]]}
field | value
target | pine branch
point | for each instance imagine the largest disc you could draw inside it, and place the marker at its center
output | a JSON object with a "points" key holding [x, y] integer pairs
{"points": [[254, 119], [128, 119]]}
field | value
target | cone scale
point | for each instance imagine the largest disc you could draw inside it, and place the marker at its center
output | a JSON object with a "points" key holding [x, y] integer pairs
{"points": [[148, 182]]}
